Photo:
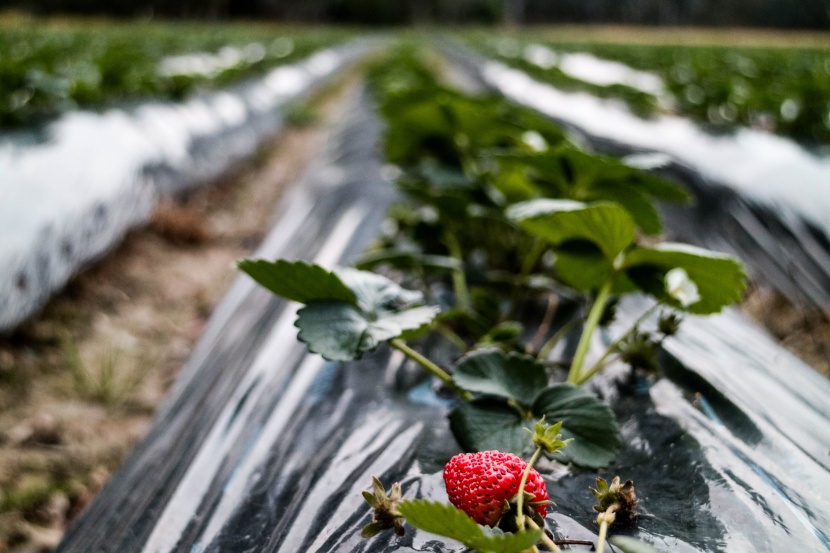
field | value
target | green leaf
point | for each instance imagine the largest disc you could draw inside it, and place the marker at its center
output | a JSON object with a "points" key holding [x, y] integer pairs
{"points": [[720, 278], [506, 332], [348, 312], [630, 545], [490, 424], [297, 280], [483, 425], [493, 372], [582, 268], [586, 419], [663, 189], [377, 294], [448, 521], [591, 170], [635, 201], [607, 225], [342, 332]]}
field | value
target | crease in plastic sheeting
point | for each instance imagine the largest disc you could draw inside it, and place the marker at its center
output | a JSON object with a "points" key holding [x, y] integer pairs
{"points": [[341, 235], [718, 436], [194, 485], [392, 451], [249, 447], [770, 480], [258, 451], [240, 403], [800, 422]]}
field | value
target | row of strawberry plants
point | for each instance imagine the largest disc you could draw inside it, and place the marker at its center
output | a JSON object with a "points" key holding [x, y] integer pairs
{"points": [[47, 69], [505, 218], [778, 89]]}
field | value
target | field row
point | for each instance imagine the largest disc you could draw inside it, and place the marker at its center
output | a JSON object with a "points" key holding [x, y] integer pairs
{"points": [[46, 70], [782, 90]]}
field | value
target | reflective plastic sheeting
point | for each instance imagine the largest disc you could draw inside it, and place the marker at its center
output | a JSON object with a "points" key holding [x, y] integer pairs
{"points": [[263, 447], [69, 191]]}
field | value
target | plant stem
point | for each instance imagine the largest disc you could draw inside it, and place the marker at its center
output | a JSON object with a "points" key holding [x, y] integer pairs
{"points": [[545, 539], [603, 531], [544, 326], [522, 484], [545, 350], [588, 331], [530, 259], [433, 369], [598, 366], [452, 337], [459, 280], [604, 519]]}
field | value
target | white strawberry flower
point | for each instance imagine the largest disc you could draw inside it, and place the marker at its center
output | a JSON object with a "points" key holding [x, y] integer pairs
{"points": [[535, 141], [682, 288]]}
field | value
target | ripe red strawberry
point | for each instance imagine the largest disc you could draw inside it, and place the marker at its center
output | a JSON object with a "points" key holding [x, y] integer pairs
{"points": [[480, 483]]}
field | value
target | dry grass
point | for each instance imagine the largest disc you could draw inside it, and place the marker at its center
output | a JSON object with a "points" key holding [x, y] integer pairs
{"points": [[683, 36], [79, 383], [803, 331]]}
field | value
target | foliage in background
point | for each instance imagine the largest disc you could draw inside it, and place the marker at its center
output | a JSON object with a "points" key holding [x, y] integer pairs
{"points": [[784, 90], [503, 215], [764, 13], [49, 69]]}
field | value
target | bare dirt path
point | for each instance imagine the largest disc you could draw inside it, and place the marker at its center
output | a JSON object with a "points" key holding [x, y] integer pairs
{"points": [[80, 383]]}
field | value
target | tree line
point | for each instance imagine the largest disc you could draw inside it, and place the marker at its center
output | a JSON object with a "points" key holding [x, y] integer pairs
{"points": [[761, 13]]}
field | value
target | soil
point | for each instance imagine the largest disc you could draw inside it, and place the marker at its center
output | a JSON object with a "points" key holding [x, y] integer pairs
{"points": [[804, 331], [79, 383]]}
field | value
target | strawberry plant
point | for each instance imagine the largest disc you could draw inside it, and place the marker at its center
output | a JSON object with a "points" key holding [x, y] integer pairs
{"points": [[503, 217], [48, 69], [716, 85], [498, 502]]}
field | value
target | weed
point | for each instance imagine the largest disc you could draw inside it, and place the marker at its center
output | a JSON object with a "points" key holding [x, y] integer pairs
{"points": [[301, 115], [110, 379]]}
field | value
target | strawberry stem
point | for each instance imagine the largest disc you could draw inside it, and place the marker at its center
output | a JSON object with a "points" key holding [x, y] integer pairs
{"points": [[431, 367], [545, 539], [591, 324], [521, 516], [459, 279], [599, 365], [545, 350], [603, 530], [604, 520]]}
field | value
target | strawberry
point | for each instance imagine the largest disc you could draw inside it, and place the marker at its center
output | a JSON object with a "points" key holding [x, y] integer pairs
{"points": [[482, 484]]}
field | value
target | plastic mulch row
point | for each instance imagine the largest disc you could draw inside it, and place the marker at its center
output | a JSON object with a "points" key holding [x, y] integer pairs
{"points": [[263, 447]]}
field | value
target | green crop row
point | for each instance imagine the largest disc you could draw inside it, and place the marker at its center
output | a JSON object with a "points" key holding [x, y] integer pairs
{"points": [[49, 69], [782, 90]]}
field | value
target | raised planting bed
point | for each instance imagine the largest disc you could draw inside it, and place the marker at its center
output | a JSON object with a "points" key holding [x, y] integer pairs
{"points": [[776, 89], [72, 189], [53, 67], [758, 196], [265, 446]]}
